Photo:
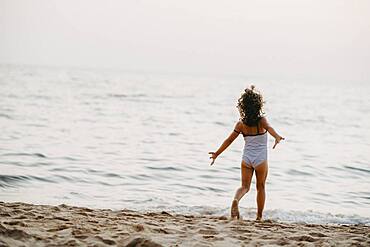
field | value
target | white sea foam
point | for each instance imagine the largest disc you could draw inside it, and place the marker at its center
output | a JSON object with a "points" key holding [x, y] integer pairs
{"points": [[291, 216]]}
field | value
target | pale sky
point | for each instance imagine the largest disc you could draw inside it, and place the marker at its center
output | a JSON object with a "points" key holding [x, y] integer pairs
{"points": [[283, 38]]}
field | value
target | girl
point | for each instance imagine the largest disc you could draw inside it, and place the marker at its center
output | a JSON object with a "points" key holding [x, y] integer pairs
{"points": [[254, 127]]}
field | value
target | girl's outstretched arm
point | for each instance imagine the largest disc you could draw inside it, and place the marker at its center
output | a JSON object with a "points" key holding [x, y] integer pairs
{"points": [[226, 143], [267, 126]]}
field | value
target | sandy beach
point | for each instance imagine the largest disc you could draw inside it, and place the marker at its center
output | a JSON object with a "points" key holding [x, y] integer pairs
{"points": [[24, 224]]}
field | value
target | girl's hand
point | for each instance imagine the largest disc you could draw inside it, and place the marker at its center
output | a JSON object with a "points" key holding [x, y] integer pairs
{"points": [[213, 157], [277, 140]]}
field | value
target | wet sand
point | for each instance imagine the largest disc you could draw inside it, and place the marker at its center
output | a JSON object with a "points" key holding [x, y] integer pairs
{"points": [[24, 224]]}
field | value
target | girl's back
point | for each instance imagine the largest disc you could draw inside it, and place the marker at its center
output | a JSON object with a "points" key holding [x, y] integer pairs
{"points": [[252, 130]]}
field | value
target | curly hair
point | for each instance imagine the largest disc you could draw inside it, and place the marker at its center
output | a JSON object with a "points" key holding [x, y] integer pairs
{"points": [[250, 106]]}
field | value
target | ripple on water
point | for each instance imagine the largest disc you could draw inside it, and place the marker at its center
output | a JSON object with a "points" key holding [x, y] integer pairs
{"points": [[164, 168], [39, 155], [309, 157], [69, 158], [112, 175], [16, 180], [357, 169], [220, 123], [6, 116], [73, 179], [298, 173], [188, 186], [140, 176], [138, 95], [350, 202], [11, 181]]}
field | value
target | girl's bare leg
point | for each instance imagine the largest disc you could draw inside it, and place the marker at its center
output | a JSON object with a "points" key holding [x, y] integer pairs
{"points": [[261, 175], [247, 174]]}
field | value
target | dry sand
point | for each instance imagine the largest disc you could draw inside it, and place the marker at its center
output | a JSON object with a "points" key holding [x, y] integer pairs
{"points": [[39, 225]]}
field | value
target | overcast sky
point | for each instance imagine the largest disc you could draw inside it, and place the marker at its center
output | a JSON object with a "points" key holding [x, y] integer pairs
{"points": [[307, 38]]}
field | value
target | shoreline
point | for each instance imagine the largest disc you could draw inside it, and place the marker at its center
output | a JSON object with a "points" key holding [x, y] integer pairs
{"points": [[28, 224]]}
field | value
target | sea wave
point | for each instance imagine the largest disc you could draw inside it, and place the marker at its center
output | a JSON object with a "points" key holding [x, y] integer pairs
{"points": [[290, 216]]}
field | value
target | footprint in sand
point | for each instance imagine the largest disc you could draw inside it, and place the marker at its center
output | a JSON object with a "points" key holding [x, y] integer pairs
{"points": [[13, 233], [18, 223], [71, 242], [106, 240], [212, 237], [303, 238], [138, 227], [317, 234], [61, 218], [20, 217], [58, 228], [142, 242], [208, 232], [283, 241], [79, 234], [162, 230], [241, 229], [243, 238]]}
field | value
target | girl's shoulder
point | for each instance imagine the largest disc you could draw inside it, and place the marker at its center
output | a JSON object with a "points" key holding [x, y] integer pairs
{"points": [[264, 122], [239, 125], [263, 119]]}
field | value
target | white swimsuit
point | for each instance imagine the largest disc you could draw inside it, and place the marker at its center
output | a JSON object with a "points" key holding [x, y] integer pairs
{"points": [[255, 149]]}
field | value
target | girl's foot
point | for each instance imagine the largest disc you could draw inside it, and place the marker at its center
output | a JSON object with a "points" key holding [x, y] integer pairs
{"points": [[259, 218], [235, 210]]}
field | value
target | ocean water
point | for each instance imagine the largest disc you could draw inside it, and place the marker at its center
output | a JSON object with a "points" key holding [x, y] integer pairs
{"points": [[136, 140]]}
